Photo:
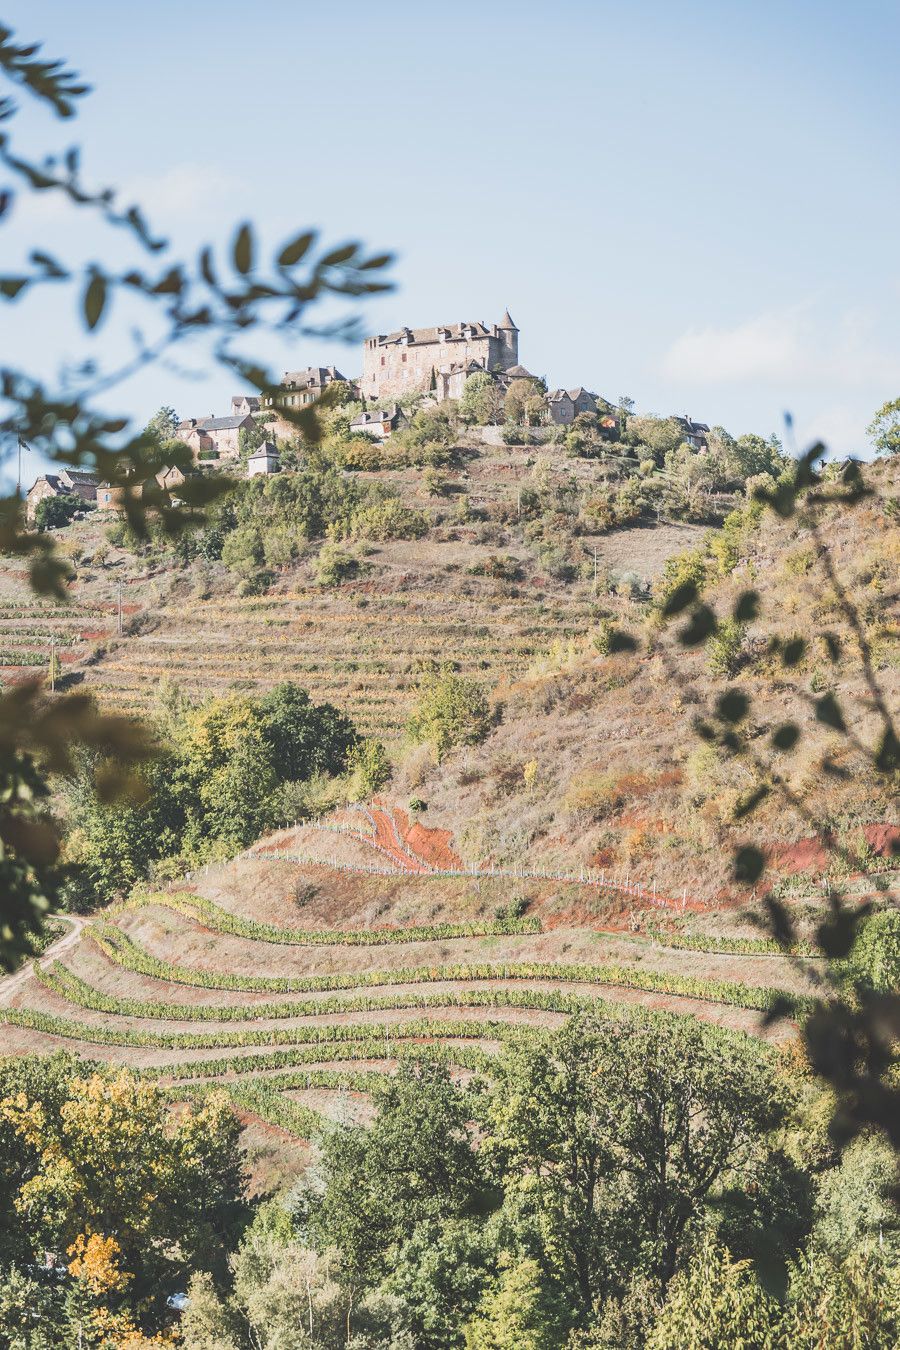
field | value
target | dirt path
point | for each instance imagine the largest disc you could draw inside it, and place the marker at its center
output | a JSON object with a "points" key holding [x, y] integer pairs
{"points": [[12, 983]]}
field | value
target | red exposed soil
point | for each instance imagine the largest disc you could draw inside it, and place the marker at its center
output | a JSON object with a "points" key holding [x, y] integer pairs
{"points": [[433, 846], [814, 854]]}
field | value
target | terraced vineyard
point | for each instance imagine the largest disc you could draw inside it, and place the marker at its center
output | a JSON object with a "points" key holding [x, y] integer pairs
{"points": [[359, 649], [224, 984], [30, 630]]}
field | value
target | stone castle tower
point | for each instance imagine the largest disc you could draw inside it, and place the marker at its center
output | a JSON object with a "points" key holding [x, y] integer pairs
{"points": [[411, 359]]}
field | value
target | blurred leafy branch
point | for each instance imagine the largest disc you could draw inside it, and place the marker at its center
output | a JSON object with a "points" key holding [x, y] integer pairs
{"points": [[852, 1037], [224, 298]]}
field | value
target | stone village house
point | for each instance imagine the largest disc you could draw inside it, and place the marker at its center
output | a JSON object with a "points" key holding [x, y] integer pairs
{"points": [[68, 483], [213, 435], [379, 423]]}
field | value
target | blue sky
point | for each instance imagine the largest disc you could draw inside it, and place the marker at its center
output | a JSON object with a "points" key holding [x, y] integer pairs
{"points": [[694, 204]]}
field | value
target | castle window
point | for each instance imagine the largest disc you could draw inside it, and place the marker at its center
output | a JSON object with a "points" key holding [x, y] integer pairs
{"points": [[382, 360], [403, 357]]}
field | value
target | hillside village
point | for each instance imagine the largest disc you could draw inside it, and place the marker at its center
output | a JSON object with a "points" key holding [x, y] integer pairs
{"points": [[403, 372]]}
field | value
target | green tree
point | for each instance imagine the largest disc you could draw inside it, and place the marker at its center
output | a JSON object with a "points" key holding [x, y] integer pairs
{"points": [[661, 435], [416, 1164], [516, 1313], [163, 424], [31, 1312], [435, 1280], [480, 403], [752, 454], [716, 1302], [854, 1208], [874, 962], [518, 399], [884, 429], [251, 438], [620, 1135], [93, 1159], [110, 845], [852, 1303], [306, 737], [209, 1322], [51, 513], [370, 768], [452, 710]]}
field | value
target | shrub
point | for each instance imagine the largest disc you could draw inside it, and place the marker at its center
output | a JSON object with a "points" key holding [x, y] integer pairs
{"points": [[725, 649], [689, 566], [333, 565], [359, 453], [387, 519], [501, 567], [592, 795], [255, 584], [452, 710], [369, 768], [435, 484], [53, 512], [242, 550], [516, 435], [602, 637], [875, 957]]}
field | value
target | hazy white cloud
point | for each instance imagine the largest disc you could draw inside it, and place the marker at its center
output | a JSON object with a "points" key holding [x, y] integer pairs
{"points": [[794, 346], [766, 347], [183, 192]]}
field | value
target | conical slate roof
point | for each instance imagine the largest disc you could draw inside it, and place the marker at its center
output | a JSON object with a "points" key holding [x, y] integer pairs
{"points": [[506, 322]]}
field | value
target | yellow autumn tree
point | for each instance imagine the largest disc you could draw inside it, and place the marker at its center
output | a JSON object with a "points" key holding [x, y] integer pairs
{"points": [[115, 1157]]}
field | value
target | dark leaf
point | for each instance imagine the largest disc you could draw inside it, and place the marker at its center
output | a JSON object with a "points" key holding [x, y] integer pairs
{"points": [[242, 251], [792, 652], [380, 260], [207, 270], [805, 474], [733, 705], [681, 597], [829, 713], [11, 286], [749, 803], [171, 284], [786, 736], [49, 265], [780, 922], [747, 607], [783, 500], [749, 864], [887, 759], [95, 300], [781, 1006], [339, 255], [701, 626], [837, 934], [832, 646], [296, 249]]}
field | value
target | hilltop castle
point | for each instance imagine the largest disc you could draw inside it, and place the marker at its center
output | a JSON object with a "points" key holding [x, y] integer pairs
{"points": [[441, 358]]}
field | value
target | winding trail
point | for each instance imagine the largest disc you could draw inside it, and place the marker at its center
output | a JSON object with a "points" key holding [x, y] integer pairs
{"points": [[11, 983]]}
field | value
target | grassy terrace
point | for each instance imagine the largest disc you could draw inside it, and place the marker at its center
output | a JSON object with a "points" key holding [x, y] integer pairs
{"points": [[359, 651], [28, 629], [345, 1026]]}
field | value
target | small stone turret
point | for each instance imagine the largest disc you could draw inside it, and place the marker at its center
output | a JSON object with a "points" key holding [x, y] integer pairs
{"points": [[508, 334]]}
